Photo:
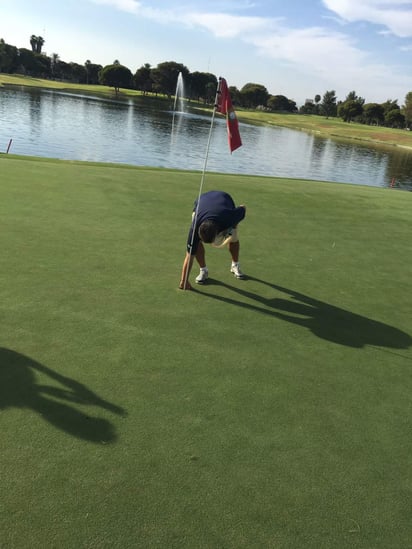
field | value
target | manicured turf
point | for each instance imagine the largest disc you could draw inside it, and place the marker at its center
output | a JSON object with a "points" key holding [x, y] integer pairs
{"points": [[333, 127], [270, 412], [29, 81]]}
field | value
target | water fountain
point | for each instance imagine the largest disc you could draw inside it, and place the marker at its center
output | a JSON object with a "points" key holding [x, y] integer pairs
{"points": [[179, 104], [180, 94]]}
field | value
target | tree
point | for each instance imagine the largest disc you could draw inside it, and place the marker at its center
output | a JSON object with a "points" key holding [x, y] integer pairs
{"points": [[3, 54], [34, 64], [350, 109], [280, 103], [308, 107], [202, 85], [54, 61], [253, 95], [394, 119], [92, 72], [210, 91], [63, 70], [390, 105], [235, 95], [407, 109], [36, 43], [165, 76], [292, 106], [328, 105], [9, 56], [40, 43], [142, 78], [78, 73], [87, 64], [116, 76], [373, 113], [311, 106], [353, 97]]}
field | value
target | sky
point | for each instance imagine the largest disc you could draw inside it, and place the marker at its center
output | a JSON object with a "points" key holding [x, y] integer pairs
{"points": [[297, 48]]}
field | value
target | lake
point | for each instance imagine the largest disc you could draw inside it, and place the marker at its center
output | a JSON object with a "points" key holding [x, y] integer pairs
{"points": [[77, 127]]}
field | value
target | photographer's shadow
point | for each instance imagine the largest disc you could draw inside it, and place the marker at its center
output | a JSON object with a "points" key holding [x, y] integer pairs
{"points": [[57, 405], [322, 319]]}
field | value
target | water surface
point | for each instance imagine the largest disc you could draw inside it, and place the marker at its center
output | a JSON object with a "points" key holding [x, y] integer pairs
{"points": [[77, 127]]}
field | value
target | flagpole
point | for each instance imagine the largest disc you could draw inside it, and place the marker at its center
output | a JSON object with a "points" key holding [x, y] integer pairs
{"points": [[202, 179]]}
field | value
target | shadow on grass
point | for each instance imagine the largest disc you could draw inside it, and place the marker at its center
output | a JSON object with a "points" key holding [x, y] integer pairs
{"points": [[18, 388], [322, 319]]}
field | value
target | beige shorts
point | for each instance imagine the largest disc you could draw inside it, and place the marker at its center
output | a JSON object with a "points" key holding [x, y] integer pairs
{"points": [[225, 237]]}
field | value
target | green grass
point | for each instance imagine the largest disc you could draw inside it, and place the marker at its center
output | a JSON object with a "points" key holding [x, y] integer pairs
{"points": [[21, 80], [332, 127], [270, 412], [105, 91]]}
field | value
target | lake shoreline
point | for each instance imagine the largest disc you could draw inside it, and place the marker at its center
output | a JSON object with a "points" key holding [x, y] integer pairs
{"points": [[73, 123], [332, 128]]}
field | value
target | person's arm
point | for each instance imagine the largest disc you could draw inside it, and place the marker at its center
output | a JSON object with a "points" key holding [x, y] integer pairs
{"points": [[237, 215], [184, 279], [241, 212]]}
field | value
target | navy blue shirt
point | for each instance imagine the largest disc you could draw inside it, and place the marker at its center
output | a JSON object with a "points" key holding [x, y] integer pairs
{"points": [[218, 206]]}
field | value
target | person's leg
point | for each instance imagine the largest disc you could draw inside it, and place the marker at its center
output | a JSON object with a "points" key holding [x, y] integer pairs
{"points": [[234, 248], [200, 258], [200, 255]]}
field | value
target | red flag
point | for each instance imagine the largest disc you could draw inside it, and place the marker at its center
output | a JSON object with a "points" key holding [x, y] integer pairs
{"points": [[224, 106]]}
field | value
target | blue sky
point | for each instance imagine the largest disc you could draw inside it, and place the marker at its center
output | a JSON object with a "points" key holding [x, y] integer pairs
{"points": [[298, 48]]}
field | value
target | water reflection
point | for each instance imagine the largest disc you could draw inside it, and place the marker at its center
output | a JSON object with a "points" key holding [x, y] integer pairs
{"points": [[34, 110], [76, 127]]}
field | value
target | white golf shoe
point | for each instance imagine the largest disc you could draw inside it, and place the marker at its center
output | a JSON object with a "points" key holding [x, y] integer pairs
{"points": [[202, 276], [235, 269]]}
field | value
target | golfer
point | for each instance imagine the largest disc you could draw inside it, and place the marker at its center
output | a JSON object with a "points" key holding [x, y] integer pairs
{"points": [[216, 223]]}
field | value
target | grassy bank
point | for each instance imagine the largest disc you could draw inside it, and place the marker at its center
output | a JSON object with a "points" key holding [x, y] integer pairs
{"points": [[331, 127], [20, 80], [270, 412]]}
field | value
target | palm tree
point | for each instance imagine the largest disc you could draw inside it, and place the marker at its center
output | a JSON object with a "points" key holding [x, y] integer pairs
{"points": [[39, 45], [54, 62], [33, 42], [36, 43], [87, 67]]}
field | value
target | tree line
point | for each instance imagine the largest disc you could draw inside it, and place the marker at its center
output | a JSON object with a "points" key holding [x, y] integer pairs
{"points": [[199, 86], [355, 109]]}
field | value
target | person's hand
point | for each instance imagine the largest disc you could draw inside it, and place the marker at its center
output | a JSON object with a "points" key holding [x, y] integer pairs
{"points": [[187, 287]]}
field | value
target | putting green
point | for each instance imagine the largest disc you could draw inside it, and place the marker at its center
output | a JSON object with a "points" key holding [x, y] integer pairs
{"points": [[269, 412]]}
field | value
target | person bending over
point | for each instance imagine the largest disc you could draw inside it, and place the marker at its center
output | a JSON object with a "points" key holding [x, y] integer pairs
{"points": [[216, 223]]}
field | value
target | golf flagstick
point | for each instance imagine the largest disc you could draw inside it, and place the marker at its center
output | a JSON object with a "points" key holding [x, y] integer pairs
{"points": [[202, 179]]}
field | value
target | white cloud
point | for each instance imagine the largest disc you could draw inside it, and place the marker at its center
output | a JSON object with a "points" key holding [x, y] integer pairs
{"points": [[395, 15], [130, 6], [228, 26], [319, 56], [314, 47], [327, 59]]}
